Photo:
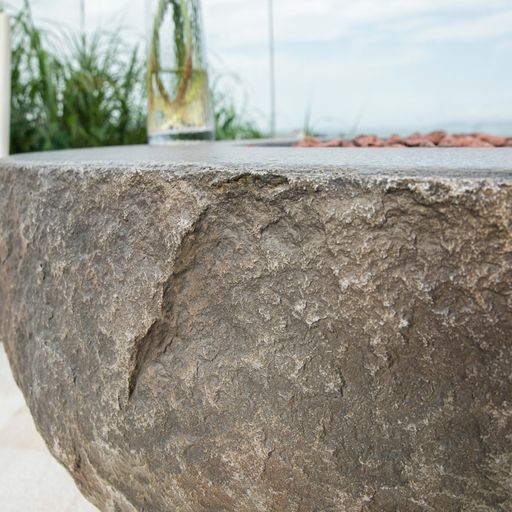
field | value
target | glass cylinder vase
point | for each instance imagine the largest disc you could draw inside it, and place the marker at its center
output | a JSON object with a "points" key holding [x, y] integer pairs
{"points": [[179, 105]]}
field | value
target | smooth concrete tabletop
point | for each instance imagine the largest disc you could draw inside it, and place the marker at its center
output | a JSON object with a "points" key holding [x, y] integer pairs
{"points": [[468, 163]]}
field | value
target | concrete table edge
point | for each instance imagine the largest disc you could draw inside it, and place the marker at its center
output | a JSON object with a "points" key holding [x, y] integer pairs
{"points": [[392, 258], [445, 163]]}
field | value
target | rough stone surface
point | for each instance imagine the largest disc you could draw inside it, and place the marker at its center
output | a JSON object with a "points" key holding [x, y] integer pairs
{"points": [[312, 333]]}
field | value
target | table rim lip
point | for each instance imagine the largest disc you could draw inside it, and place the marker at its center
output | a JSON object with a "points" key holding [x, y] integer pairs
{"points": [[461, 164]]}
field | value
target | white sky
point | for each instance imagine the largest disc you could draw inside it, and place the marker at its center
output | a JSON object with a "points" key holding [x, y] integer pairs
{"points": [[376, 64]]}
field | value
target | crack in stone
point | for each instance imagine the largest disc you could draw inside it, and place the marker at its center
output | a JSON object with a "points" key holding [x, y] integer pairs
{"points": [[155, 342]]}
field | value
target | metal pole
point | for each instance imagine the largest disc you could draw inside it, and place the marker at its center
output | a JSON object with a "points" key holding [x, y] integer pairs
{"points": [[82, 18], [272, 68], [5, 84]]}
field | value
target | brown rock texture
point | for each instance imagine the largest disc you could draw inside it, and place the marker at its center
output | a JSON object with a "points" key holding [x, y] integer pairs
{"points": [[219, 337], [434, 139]]}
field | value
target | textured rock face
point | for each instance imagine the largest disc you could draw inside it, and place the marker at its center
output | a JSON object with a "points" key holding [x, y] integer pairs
{"points": [[194, 338]]}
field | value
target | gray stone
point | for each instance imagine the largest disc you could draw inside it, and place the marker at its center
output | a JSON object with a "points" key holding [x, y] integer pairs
{"points": [[222, 328]]}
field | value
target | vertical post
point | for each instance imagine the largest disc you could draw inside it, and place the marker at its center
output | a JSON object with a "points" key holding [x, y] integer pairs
{"points": [[272, 68], [82, 18], [5, 83]]}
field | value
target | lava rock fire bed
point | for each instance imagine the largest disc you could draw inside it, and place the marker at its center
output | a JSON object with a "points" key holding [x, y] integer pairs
{"points": [[436, 139], [211, 327]]}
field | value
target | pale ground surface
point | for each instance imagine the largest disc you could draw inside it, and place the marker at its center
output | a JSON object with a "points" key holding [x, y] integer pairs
{"points": [[30, 479]]}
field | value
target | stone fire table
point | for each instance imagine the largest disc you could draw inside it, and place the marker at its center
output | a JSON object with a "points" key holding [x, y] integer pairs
{"points": [[226, 328]]}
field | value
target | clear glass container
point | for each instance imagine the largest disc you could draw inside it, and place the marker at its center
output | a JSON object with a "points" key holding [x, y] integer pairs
{"points": [[179, 104]]}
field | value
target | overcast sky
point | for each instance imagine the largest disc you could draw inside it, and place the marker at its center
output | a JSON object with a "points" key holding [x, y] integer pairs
{"points": [[371, 64]]}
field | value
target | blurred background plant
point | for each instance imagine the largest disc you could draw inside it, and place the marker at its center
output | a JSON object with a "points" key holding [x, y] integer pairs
{"points": [[92, 94], [232, 120]]}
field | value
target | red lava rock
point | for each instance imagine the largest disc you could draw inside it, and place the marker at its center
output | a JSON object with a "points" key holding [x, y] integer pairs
{"points": [[308, 142], [365, 141], [448, 142], [437, 138], [471, 142], [417, 140], [335, 143], [394, 139], [493, 140]]}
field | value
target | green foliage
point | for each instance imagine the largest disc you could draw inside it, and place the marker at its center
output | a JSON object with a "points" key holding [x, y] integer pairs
{"points": [[230, 122], [229, 125], [94, 94], [101, 98], [88, 97]]}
